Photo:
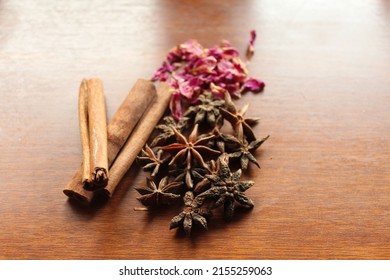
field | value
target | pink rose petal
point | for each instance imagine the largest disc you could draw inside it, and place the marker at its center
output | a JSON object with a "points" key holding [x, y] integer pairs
{"points": [[192, 69], [175, 106], [252, 84], [217, 91], [251, 45]]}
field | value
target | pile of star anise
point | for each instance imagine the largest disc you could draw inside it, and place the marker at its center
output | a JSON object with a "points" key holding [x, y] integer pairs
{"points": [[195, 158]]}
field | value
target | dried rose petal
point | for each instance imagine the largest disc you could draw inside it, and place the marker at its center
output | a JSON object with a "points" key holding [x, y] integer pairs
{"points": [[192, 70], [225, 65], [228, 50], [253, 38], [203, 65], [251, 45], [252, 84], [185, 51], [185, 89], [217, 91], [175, 105], [162, 73]]}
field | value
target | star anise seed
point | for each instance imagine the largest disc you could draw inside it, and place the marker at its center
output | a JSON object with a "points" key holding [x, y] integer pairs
{"points": [[241, 125], [189, 176], [206, 111], [166, 127], [190, 149], [244, 150], [217, 141], [153, 195], [226, 189], [151, 161], [191, 213], [205, 183]]}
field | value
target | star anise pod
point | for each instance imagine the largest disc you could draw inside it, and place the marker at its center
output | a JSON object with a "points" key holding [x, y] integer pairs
{"points": [[191, 213], [206, 111], [189, 176], [243, 150], [151, 161], [189, 150], [217, 141], [166, 127], [164, 193], [205, 183], [227, 189], [241, 124]]}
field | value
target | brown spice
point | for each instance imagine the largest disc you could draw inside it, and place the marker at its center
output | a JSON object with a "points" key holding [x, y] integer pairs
{"points": [[119, 129], [97, 124], [84, 134], [190, 149], [138, 138], [151, 161], [242, 125], [158, 194]]}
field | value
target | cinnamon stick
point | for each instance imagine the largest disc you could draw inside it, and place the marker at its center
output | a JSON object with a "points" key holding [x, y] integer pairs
{"points": [[119, 129], [138, 138], [84, 134], [97, 124]]}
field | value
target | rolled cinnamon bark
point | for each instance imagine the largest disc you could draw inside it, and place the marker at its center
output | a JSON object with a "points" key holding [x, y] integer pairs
{"points": [[138, 138], [119, 129], [97, 124], [84, 133]]}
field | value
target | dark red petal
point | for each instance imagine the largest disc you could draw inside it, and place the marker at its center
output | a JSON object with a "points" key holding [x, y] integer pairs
{"points": [[252, 84], [253, 38], [175, 106], [251, 45]]}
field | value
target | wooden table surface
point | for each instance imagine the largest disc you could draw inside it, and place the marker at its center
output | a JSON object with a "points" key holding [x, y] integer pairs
{"points": [[323, 191]]}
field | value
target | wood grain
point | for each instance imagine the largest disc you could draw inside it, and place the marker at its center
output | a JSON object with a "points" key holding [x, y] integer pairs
{"points": [[323, 191]]}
